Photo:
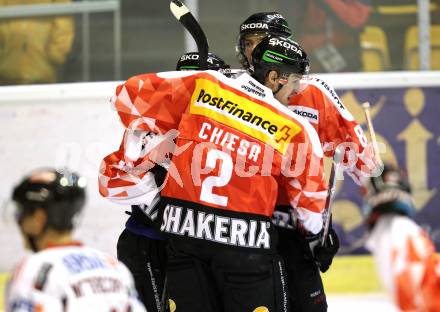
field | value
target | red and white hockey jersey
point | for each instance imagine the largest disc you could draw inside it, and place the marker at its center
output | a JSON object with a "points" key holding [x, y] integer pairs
{"points": [[335, 125], [71, 278], [234, 147], [406, 262]]}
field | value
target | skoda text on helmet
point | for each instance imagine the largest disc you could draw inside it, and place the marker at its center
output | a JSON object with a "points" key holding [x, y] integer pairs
{"points": [[60, 193], [281, 54], [190, 61], [267, 23]]}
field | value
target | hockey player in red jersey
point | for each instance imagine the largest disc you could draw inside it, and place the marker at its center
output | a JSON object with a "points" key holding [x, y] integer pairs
{"points": [[405, 257], [336, 127], [62, 275], [141, 247], [316, 100], [319, 103], [235, 146]]}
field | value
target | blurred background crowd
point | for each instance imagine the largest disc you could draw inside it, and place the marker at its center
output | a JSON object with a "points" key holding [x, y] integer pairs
{"points": [[46, 41]]}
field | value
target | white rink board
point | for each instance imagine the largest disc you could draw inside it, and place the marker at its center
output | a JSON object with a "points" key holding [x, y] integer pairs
{"points": [[42, 124]]}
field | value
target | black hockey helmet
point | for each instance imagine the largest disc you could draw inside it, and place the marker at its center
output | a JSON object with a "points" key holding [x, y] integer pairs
{"points": [[391, 177], [388, 193], [190, 61], [60, 193], [280, 54], [268, 23]]}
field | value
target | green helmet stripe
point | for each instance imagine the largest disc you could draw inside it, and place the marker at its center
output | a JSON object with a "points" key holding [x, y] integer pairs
{"points": [[189, 67], [266, 57]]}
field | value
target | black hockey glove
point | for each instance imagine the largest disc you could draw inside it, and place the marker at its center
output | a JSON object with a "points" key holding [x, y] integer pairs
{"points": [[322, 255]]}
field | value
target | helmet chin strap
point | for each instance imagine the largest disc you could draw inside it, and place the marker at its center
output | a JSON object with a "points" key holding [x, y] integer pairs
{"points": [[280, 86]]}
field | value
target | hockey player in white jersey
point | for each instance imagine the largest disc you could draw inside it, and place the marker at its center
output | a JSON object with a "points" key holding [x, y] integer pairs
{"points": [[405, 257], [62, 274]]}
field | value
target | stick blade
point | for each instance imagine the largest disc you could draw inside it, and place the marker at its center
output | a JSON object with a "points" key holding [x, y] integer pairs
{"points": [[184, 16], [178, 9]]}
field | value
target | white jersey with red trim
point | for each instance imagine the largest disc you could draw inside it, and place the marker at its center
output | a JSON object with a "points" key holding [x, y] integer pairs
{"points": [[71, 278], [232, 145], [406, 262]]}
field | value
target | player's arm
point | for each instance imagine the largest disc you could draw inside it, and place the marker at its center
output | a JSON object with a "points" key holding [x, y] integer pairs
{"points": [[127, 176], [360, 160], [146, 109], [304, 181], [340, 129]]}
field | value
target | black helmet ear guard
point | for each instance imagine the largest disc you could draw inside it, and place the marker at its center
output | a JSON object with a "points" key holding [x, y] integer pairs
{"points": [[60, 193], [391, 177], [280, 54], [269, 23], [389, 193]]}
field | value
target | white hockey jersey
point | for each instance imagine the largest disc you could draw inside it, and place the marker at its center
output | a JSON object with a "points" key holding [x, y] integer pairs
{"points": [[406, 262], [71, 278]]}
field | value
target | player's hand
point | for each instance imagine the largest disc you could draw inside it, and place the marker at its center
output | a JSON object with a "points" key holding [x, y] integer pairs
{"points": [[324, 255], [372, 163]]}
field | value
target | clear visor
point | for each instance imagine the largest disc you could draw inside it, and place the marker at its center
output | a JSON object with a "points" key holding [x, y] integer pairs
{"points": [[298, 82]]}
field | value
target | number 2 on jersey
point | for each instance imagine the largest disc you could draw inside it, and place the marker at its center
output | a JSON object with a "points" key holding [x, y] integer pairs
{"points": [[225, 173]]}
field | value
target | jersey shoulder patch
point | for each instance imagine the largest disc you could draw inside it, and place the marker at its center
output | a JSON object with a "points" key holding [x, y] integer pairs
{"points": [[311, 114]]}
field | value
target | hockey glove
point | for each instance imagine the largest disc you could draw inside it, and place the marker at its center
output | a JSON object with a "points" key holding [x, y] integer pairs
{"points": [[324, 254]]}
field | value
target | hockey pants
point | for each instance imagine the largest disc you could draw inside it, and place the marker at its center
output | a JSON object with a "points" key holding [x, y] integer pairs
{"points": [[306, 291], [146, 259], [203, 279]]}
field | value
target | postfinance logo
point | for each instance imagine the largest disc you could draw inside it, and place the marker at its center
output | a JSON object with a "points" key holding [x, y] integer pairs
{"points": [[211, 100]]}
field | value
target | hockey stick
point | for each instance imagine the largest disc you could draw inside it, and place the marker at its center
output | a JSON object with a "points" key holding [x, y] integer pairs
{"points": [[336, 163], [184, 16], [366, 107]]}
